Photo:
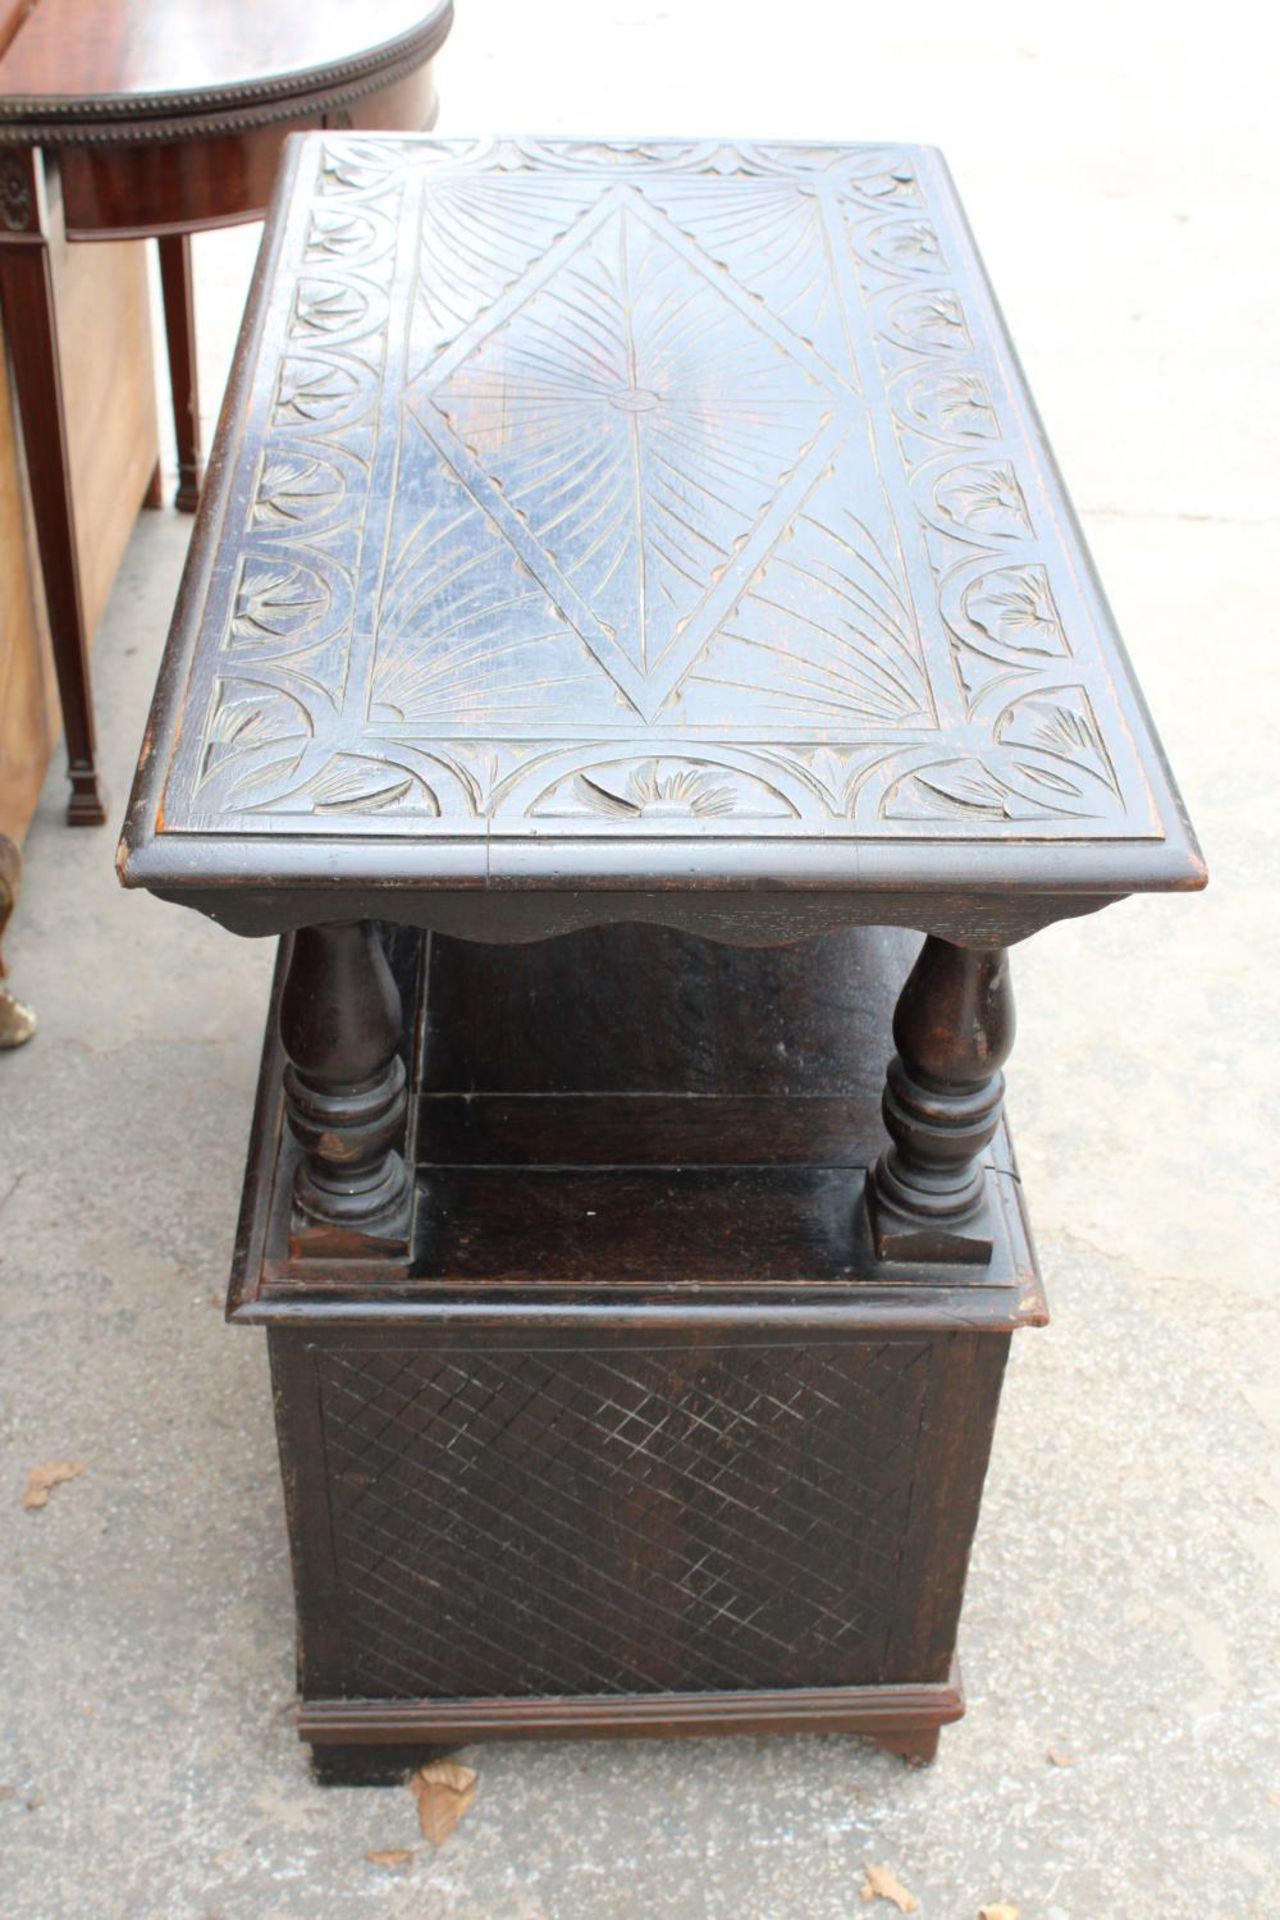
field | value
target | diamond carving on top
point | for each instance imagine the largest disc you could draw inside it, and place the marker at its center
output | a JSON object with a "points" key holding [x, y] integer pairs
{"points": [[640, 417]]}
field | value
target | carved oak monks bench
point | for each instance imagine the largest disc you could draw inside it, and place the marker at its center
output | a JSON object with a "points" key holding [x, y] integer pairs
{"points": [[632, 604]]}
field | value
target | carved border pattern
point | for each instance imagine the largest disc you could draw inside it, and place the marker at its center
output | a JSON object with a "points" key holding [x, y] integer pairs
{"points": [[1019, 732], [990, 541], [282, 671]]}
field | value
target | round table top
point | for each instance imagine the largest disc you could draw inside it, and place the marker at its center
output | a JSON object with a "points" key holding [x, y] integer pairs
{"points": [[94, 69]]}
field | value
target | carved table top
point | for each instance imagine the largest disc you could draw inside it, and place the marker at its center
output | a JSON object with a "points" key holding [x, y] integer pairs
{"points": [[638, 517]]}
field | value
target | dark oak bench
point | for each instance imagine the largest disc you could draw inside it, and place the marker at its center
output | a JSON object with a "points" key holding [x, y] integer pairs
{"points": [[651, 546]]}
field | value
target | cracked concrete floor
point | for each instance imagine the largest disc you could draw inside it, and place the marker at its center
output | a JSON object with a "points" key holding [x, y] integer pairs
{"points": [[1123, 1602]]}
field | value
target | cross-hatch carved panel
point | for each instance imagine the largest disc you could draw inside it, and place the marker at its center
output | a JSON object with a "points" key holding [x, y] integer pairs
{"points": [[672, 488], [601, 1522]]}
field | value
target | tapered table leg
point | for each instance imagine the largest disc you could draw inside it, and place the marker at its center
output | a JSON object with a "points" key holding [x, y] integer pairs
{"points": [[31, 329], [953, 1028], [180, 329]]}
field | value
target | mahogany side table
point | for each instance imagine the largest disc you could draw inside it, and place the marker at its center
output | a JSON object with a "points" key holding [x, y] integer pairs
{"points": [[126, 121], [653, 546]]}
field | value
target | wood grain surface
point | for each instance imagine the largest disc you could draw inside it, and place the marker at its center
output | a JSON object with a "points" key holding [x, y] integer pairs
{"points": [[633, 1443], [69, 62], [665, 515]]}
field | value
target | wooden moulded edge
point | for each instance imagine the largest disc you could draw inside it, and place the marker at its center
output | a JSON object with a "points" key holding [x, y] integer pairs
{"points": [[313, 877], [876, 1710], [186, 112]]}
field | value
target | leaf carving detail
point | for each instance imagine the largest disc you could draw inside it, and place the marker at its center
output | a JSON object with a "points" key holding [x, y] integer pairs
{"points": [[687, 793], [277, 602], [339, 235], [353, 784], [985, 498], [969, 788], [294, 489], [954, 406], [314, 391], [1015, 606], [323, 308], [935, 318]]}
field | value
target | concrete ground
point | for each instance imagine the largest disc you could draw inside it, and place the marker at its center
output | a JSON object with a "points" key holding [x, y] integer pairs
{"points": [[1124, 1604]]}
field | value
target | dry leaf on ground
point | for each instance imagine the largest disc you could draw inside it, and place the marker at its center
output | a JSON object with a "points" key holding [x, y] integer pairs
{"points": [[883, 1884], [1000, 1911], [443, 1789], [43, 1479], [1059, 1757], [390, 1856]]}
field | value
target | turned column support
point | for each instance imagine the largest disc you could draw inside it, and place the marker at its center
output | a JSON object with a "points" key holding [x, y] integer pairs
{"points": [[953, 1028], [340, 1024]]}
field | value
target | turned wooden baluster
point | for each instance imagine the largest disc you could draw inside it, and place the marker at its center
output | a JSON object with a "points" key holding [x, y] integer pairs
{"points": [[340, 1022], [953, 1028]]}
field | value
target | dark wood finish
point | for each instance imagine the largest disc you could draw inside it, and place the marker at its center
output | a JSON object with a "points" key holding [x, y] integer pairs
{"points": [[605, 535], [103, 349], [901, 1719], [350, 1764], [28, 692], [953, 1029], [541, 1111], [722, 907], [340, 1025], [180, 330], [161, 122], [180, 177], [649, 1515], [719, 1517], [95, 71], [31, 328], [598, 625]]}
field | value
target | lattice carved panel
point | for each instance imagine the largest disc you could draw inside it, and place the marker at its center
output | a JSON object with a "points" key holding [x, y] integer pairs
{"points": [[620, 1521]]}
